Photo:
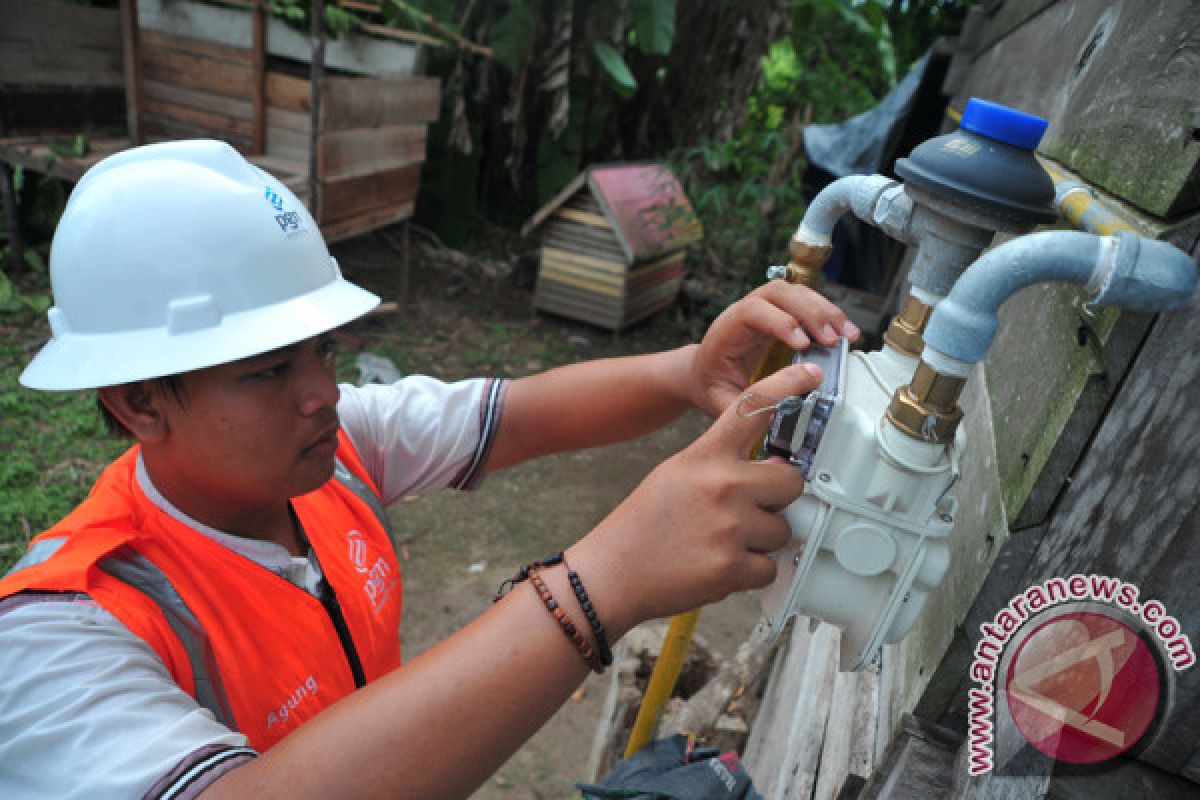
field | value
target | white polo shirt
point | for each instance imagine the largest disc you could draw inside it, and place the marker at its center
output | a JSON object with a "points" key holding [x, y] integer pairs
{"points": [[88, 710]]}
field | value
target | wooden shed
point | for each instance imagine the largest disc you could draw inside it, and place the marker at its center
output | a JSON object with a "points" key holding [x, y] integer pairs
{"points": [[613, 244], [341, 122]]}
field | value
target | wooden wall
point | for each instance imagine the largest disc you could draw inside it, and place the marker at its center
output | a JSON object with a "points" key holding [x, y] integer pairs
{"points": [[371, 131], [60, 67], [1082, 429]]}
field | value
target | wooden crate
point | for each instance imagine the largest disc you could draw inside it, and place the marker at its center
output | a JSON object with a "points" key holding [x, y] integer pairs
{"points": [[197, 69], [198, 79], [599, 264]]}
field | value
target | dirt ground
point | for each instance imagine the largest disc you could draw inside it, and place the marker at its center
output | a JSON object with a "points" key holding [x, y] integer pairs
{"points": [[455, 547]]}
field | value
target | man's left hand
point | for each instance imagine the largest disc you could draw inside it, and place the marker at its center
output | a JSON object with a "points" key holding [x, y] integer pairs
{"points": [[724, 364]]}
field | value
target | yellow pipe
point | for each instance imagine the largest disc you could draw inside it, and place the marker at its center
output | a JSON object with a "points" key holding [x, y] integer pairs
{"points": [[683, 626], [662, 680], [1079, 205]]}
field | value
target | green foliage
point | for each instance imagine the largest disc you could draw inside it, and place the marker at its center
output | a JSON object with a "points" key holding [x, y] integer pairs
{"points": [[296, 13], [841, 59], [514, 33], [654, 25], [615, 69], [54, 444]]}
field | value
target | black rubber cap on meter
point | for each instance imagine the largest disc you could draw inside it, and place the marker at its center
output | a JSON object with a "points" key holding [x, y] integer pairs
{"points": [[987, 164]]}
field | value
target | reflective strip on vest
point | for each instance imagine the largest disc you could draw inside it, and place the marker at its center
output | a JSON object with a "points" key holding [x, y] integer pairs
{"points": [[363, 492], [139, 572], [37, 553]]}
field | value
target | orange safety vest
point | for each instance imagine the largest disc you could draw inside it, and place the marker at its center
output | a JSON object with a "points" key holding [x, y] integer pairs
{"points": [[259, 652]]}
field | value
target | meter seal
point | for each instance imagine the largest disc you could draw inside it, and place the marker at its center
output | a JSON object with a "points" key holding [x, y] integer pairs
{"points": [[796, 434]]}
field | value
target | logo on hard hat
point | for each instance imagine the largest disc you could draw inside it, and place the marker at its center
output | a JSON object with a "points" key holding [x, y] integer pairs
{"points": [[289, 222]]}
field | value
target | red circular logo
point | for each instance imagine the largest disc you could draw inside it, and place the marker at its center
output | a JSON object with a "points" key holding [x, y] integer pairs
{"points": [[1083, 687]]}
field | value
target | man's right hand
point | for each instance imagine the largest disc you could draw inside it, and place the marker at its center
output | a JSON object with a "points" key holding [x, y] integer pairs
{"points": [[700, 526]]}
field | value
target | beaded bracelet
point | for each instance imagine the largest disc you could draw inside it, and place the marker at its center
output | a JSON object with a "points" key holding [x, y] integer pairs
{"points": [[585, 602], [581, 644], [523, 574]]}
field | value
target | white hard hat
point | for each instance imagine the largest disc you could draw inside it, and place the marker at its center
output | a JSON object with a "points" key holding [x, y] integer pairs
{"points": [[176, 256]]}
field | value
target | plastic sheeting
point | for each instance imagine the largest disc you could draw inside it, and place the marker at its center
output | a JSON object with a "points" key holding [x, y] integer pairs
{"points": [[859, 145]]}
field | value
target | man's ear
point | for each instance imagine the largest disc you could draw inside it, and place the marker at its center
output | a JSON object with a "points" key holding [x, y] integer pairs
{"points": [[136, 406]]}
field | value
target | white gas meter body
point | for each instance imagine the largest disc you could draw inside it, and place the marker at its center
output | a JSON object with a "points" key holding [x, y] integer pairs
{"points": [[869, 534]]}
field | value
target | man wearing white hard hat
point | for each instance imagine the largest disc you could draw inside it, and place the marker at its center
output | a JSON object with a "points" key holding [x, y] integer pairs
{"points": [[219, 617]]}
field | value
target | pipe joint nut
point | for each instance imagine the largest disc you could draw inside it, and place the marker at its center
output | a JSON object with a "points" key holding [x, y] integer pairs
{"points": [[906, 328], [866, 193], [1143, 274], [927, 409], [893, 212]]}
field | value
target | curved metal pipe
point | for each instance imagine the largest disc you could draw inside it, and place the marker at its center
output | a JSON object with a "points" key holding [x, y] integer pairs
{"points": [[857, 193], [1123, 270]]}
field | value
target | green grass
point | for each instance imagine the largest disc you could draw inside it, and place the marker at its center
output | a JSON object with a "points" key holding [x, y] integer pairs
{"points": [[54, 443]]}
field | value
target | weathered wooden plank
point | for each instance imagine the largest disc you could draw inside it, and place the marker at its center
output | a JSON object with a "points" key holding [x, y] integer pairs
{"points": [[919, 764], [603, 241], [210, 102], [839, 733], [350, 153], [287, 144], [766, 748], [197, 72], [864, 722], [599, 264], [288, 92], [367, 221], [553, 299], [809, 718], [349, 102], [581, 280], [158, 128], [586, 217], [1011, 16], [345, 197], [155, 41], [289, 120], [1132, 510], [1124, 123], [352, 52], [203, 121], [52, 43], [572, 242]]}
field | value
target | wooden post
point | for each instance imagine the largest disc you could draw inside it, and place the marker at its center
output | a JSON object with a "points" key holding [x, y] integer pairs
{"points": [[317, 10], [258, 60], [133, 72], [12, 218]]}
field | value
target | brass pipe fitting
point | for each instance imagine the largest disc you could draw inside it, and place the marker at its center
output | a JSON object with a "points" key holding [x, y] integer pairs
{"points": [[807, 259], [927, 409], [904, 331]]}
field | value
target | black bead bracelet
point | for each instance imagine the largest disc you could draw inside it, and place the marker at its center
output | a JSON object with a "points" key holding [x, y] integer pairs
{"points": [[585, 602]]}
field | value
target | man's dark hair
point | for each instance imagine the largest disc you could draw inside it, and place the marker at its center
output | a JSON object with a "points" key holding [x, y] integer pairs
{"points": [[169, 383]]}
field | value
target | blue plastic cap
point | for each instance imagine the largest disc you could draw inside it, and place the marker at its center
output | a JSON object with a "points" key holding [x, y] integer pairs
{"points": [[1003, 124]]}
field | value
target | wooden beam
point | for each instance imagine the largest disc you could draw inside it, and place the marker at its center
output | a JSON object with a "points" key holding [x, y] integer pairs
{"points": [[317, 12], [258, 61], [133, 76]]}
